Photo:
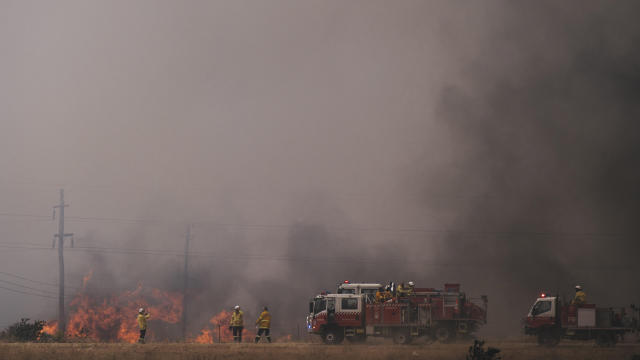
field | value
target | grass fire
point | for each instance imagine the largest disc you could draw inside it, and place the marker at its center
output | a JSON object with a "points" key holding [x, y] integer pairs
{"points": [[112, 318]]}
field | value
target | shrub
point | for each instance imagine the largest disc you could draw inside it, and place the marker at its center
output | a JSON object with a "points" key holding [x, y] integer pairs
{"points": [[23, 331]]}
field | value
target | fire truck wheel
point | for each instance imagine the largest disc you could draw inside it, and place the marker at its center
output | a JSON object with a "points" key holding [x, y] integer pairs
{"points": [[548, 338], [333, 337], [443, 334], [605, 340], [357, 339], [429, 338], [401, 337]]}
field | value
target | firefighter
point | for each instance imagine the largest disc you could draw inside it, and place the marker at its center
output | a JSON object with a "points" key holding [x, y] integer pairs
{"points": [[387, 293], [402, 290], [237, 324], [580, 298], [380, 295], [411, 288], [264, 325], [142, 324]]}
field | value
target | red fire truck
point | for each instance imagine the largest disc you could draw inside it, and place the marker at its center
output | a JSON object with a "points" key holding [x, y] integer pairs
{"points": [[551, 320], [354, 314]]}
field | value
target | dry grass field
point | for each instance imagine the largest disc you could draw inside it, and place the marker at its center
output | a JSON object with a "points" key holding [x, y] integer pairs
{"points": [[174, 351]]}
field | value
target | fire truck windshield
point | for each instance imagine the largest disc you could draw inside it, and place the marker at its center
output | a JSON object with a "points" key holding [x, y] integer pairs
{"points": [[319, 305], [541, 307], [346, 291]]}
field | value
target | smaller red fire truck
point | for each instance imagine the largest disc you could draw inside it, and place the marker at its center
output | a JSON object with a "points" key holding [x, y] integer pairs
{"points": [[551, 320], [354, 314]]}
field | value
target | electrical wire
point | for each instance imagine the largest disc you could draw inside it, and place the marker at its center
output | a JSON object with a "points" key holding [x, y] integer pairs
{"points": [[408, 229], [27, 287], [36, 281], [27, 293], [25, 215]]}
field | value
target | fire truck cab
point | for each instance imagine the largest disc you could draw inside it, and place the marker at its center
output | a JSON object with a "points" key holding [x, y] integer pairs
{"points": [[335, 316], [551, 320]]}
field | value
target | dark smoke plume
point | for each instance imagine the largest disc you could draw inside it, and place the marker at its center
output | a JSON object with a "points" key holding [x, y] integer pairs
{"points": [[546, 134]]}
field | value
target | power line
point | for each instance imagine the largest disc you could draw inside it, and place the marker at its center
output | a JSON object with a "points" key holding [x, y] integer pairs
{"points": [[119, 220], [391, 229], [25, 221], [18, 245], [27, 293], [286, 258], [25, 215], [282, 258], [26, 287], [35, 281]]}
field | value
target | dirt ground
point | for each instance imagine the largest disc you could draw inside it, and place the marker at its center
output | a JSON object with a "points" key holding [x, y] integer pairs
{"points": [[171, 351]]}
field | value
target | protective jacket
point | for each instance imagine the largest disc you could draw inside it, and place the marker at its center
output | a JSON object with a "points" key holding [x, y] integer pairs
{"points": [[580, 298], [264, 321], [142, 321], [236, 318], [402, 290]]}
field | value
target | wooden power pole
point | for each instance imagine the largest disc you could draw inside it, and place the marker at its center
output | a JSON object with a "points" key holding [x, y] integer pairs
{"points": [[59, 237], [185, 283]]}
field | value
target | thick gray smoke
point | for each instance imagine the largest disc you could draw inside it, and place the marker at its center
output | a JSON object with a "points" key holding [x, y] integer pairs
{"points": [[545, 133], [492, 144]]}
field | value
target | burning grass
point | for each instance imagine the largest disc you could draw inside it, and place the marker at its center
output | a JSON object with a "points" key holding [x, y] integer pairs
{"points": [[112, 318], [172, 351]]}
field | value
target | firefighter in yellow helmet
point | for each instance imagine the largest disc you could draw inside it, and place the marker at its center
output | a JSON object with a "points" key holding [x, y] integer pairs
{"points": [[142, 324], [379, 295], [580, 298], [402, 290], [237, 324], [387, 293], [264, 325], [412, 288]]}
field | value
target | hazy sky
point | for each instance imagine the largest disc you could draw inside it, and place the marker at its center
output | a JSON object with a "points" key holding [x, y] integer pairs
{"points": [[513, 124]]}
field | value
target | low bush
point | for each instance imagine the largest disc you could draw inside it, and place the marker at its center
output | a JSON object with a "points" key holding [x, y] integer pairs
{"points": [[23, 331]]}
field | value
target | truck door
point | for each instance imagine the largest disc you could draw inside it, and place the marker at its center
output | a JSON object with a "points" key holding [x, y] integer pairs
{"points": [[542, 314], [350, 310], [331, 309]]}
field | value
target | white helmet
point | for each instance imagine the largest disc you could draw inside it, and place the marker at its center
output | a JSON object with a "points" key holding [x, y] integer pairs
{"points": [[237, 307], [141, 310], [411, 283], [578, 287]]}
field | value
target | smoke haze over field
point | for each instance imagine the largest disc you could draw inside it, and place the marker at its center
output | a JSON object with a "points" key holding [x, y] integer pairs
{"points": [[492, 143]]}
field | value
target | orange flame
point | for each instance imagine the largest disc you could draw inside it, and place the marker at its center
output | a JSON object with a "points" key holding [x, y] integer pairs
{"points": [[219, 330], [86, 278], [50, 327], [205, 337], [113, 318]]}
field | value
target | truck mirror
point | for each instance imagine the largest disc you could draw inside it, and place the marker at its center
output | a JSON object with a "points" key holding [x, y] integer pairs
{"points": [[311, 307]]}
